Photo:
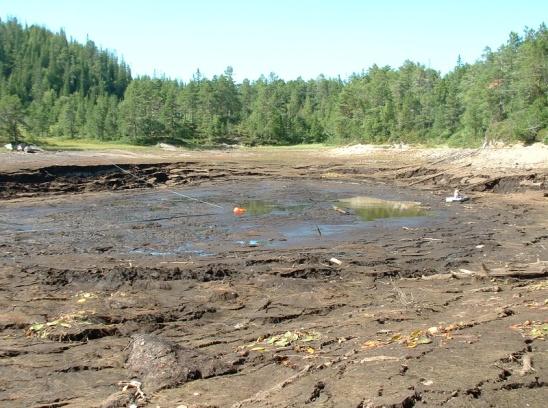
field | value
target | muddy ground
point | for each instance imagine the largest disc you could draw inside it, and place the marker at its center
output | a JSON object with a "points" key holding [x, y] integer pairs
{"points": [[117, 268]]}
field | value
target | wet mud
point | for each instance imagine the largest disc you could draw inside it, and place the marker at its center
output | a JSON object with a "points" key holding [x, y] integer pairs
{"points": [[137, 284]]}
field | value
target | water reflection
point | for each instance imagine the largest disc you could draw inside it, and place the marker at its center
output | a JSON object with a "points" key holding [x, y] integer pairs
{"points": [[370, 208], [258, 207]]}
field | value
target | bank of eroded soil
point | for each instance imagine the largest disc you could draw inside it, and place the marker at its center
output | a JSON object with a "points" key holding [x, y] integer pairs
{"points": [[443, 310]]}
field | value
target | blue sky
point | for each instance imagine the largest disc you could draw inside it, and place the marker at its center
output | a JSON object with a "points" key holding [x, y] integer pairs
{"points": [[291, 38]]}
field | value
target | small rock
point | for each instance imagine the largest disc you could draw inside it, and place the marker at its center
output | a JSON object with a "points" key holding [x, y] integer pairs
{"points": [[494, 288], [223, 295], [506, 312]]}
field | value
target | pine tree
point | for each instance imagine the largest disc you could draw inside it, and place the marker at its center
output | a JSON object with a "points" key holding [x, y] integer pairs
{"points": [[11, 117]]}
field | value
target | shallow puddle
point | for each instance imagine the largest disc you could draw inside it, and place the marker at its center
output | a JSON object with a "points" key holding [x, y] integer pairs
{"points": [[371, 208], [265, 207], [155, 223], [258, 207]]}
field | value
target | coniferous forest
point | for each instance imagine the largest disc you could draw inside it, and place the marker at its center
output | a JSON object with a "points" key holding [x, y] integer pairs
{"points": [[51, 85]]}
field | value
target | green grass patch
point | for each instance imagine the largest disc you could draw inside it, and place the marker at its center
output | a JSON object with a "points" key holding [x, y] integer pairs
{"points": [[54, 143], [310, 146]]}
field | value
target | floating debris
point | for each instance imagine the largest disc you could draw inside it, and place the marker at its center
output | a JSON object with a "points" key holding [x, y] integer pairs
{"points": [[239, 211], [340, 210]]}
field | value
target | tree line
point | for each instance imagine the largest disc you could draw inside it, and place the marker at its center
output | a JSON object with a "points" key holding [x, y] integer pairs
{"points": [[54, 86]]}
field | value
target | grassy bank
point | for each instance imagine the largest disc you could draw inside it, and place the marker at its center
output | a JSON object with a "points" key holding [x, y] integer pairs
{"points": [[53, 143]]}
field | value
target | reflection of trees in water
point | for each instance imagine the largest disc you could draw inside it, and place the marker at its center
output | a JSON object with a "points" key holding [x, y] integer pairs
{"points": [[259, 207], [370, 208]]}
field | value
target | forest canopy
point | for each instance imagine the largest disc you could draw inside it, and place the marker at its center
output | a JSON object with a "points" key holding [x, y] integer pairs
{"points": [[52, 86]]}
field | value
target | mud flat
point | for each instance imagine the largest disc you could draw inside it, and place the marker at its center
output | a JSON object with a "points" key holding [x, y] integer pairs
{"points": [[348, 282]]}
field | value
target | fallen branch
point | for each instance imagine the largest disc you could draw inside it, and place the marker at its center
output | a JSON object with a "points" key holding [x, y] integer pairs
{"points": [[537, 269], [263, 395], [431, 176], [379, 358], [438, 276], [527, 365], [340, 210], [495, 288], [441, 173], [484, 182], [463, 273]]}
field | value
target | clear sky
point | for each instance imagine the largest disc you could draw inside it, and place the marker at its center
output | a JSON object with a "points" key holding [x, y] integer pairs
{"points": [[289, 37]]}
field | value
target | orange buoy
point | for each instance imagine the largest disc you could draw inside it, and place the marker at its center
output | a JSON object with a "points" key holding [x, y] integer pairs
{"points": [[239, 210]]}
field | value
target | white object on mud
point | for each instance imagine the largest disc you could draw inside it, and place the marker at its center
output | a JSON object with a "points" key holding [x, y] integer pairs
{"points": [[133, 384], [23, 147], [456, 198], [167, 146], [335, 261]]}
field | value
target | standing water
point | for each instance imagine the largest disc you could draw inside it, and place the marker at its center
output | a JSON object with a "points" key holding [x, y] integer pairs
{"points": [[371, 208]]}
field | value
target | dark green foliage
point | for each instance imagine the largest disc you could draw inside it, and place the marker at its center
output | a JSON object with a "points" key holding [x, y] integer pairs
{"points": [[68, 89], [11, 118], [53, 86]]}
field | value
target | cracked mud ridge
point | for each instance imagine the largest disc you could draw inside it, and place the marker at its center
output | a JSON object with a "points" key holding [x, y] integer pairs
{"points": [[347, 282]]}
